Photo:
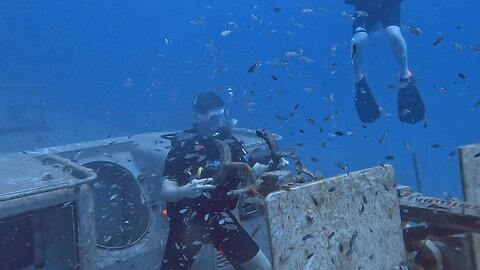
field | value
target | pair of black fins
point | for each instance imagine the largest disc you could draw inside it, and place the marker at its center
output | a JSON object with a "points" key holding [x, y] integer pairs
{"points": [[410, 105]]}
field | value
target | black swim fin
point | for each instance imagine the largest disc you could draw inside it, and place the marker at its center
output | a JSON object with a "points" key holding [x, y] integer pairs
{"points": [[367, 108], [410, 104]]}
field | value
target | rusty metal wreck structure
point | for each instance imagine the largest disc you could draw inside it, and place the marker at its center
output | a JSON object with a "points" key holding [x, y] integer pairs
{"points": [[97, 205]]}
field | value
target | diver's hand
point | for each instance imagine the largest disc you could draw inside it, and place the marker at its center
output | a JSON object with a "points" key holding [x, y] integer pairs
{"points": [[282, 163], [196, 187]]}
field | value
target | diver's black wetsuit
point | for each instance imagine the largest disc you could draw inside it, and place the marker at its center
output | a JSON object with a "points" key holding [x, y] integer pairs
{"points": [[203, 220], [379, 13]]}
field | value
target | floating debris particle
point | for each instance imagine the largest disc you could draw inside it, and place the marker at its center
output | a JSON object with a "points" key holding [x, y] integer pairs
{"points": [[280, 117], [339, 133], [435, 145], [364, 199], [477, 154], [310, 89], [461, 75], [458, 47], [229, 226], [332, 189], [341, 165], [328, 117], [330, 98], [277, 9], [306, 236], [415, 30], [305, 59], [382, 138], [294, 54], [254, 67], [352, 239], [307, 10], [310, 120], [225, 33], [314, 159], [443, 91], [438, 41], [389, 157], [314, 200], [274, 78], [197, 21], [323, 9]]}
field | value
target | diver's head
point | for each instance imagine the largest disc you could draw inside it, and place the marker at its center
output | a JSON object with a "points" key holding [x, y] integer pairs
{"points": [[210, 113]]}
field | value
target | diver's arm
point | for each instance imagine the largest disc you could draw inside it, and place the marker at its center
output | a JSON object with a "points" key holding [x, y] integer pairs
{"points": [[171, 192]]}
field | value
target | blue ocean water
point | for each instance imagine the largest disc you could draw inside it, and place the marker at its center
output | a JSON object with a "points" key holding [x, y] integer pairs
{"points": [[114, 68]]}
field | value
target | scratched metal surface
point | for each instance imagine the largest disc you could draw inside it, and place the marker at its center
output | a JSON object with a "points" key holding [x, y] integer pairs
{"points": [[345, 222], [21, 173], [470, 171]]}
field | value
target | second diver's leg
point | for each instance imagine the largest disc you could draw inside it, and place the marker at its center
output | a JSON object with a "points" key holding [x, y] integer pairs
{"points": [[365, 103], [399, 47], [359, 40], [410, 104]]}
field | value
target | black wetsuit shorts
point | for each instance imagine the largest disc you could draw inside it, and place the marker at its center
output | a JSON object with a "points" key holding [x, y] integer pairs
{"points": [[374, 16], [185, 239]]}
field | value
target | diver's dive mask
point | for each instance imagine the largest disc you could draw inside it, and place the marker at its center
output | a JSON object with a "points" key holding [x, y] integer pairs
{"points": [[215, 119]]}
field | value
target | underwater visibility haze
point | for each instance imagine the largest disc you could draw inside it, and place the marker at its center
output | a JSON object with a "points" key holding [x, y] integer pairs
{"points": [[113, 68]]}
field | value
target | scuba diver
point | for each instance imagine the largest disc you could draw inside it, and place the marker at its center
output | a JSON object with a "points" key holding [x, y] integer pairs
{"points": [[198, 204], [372, 15]]}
